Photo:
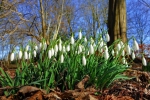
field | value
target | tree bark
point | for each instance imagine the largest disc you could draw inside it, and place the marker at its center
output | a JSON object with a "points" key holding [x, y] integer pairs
{"points": [[117, 20]]}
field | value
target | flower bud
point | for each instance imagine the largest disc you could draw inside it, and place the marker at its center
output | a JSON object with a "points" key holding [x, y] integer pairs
{"points": [[36, 48], [60, 46], [83, 60], [44, 46], [85, 39], [34, 53], [61, 58], [25, 55], [144, 61], [20, 54], [123, 53], [49, 54], [56, 48], [12, 56], [91, 49], [107, 37], [133, 55], [68, 47], [27, 47], [106, 55], [29, 55], [80, 35], [113, 52], [72, 39], [128, 49], [135, 45]]}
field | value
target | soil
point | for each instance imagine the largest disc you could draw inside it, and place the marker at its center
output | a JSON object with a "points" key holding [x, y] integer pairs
{"points": [[137, 88]]}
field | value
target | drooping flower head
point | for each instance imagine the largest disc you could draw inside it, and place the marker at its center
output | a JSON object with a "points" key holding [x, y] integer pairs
{"points": [[135, 45], [144, 61], [80, 35], [83, 60]]}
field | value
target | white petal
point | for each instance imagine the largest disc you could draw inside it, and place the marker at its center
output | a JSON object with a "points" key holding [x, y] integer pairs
{"points": [[144, 61], [12, 57]]}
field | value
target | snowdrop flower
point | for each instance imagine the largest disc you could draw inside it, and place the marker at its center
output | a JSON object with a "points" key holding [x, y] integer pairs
{"points": [[135, 45], [60, 45], [56, 48], [12, 56], [49, 54], [106, 48], [92, 41], [52, 52], [61, 58], [20, 54], [64, 49], [123, 53], [80, 35], [40, 45], [107, 37], [121, 44], [80, 49], [44, 46], [91, 49], [106, 54], [85, 39], [83, 60], [36, 47], [25, 55], [128, 49], [144, 61], [34, 53], [133, 55], [124, 60], [118, 47], [29, 55], [68, 47], [113, 52], [27, 47], [72, 39]]}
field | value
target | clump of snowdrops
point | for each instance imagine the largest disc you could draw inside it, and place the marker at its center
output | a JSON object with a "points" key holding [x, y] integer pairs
{"points": [[64, 63]]}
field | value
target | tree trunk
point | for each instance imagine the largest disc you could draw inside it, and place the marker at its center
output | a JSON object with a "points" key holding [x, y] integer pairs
{"points": [[117, 20]]}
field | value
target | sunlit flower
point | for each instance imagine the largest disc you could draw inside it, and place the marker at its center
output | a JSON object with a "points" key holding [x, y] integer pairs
{"points": [[133, 55], [72, 39], [20, 54], [128, 49], [83, 60], [122, 53], [25, 55], [12, 56], [61, 58], [91, 49], [144, 61], [118, 47], [107, 37], [80, 35], [34, 53], [135, 45]]}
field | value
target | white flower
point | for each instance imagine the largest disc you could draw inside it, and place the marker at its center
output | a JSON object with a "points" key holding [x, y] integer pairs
{"points": [[106, 54], [123, 53], [25, 55], [44, 46], [106, 48], [56, 48], [135, 45], [128, 50], [133, 55], [34, 53], [85, 39], [49, 54], [40, 45], [121, 44], [64, 49], [107, 37], [60, 46], [80, 35], [91, 49], [144, 61], [61, 58], [27, 47], [118, 47], [36, 47], [83, 60], [20, 54], [52, 52], [72, 39], [68, 47], [124, 60], [113, 52], [12, 56], [29, 55], [80, 49]]}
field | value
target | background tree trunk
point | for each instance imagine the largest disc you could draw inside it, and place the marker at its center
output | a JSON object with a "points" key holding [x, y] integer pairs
{"points": [[117, 20]]}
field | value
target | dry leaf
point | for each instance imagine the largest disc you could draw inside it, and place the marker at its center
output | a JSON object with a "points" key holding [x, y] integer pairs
{"points": [[81, 84]]}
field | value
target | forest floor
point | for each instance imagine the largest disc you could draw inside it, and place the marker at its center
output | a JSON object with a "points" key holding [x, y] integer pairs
{"points": [[137, 88]]}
